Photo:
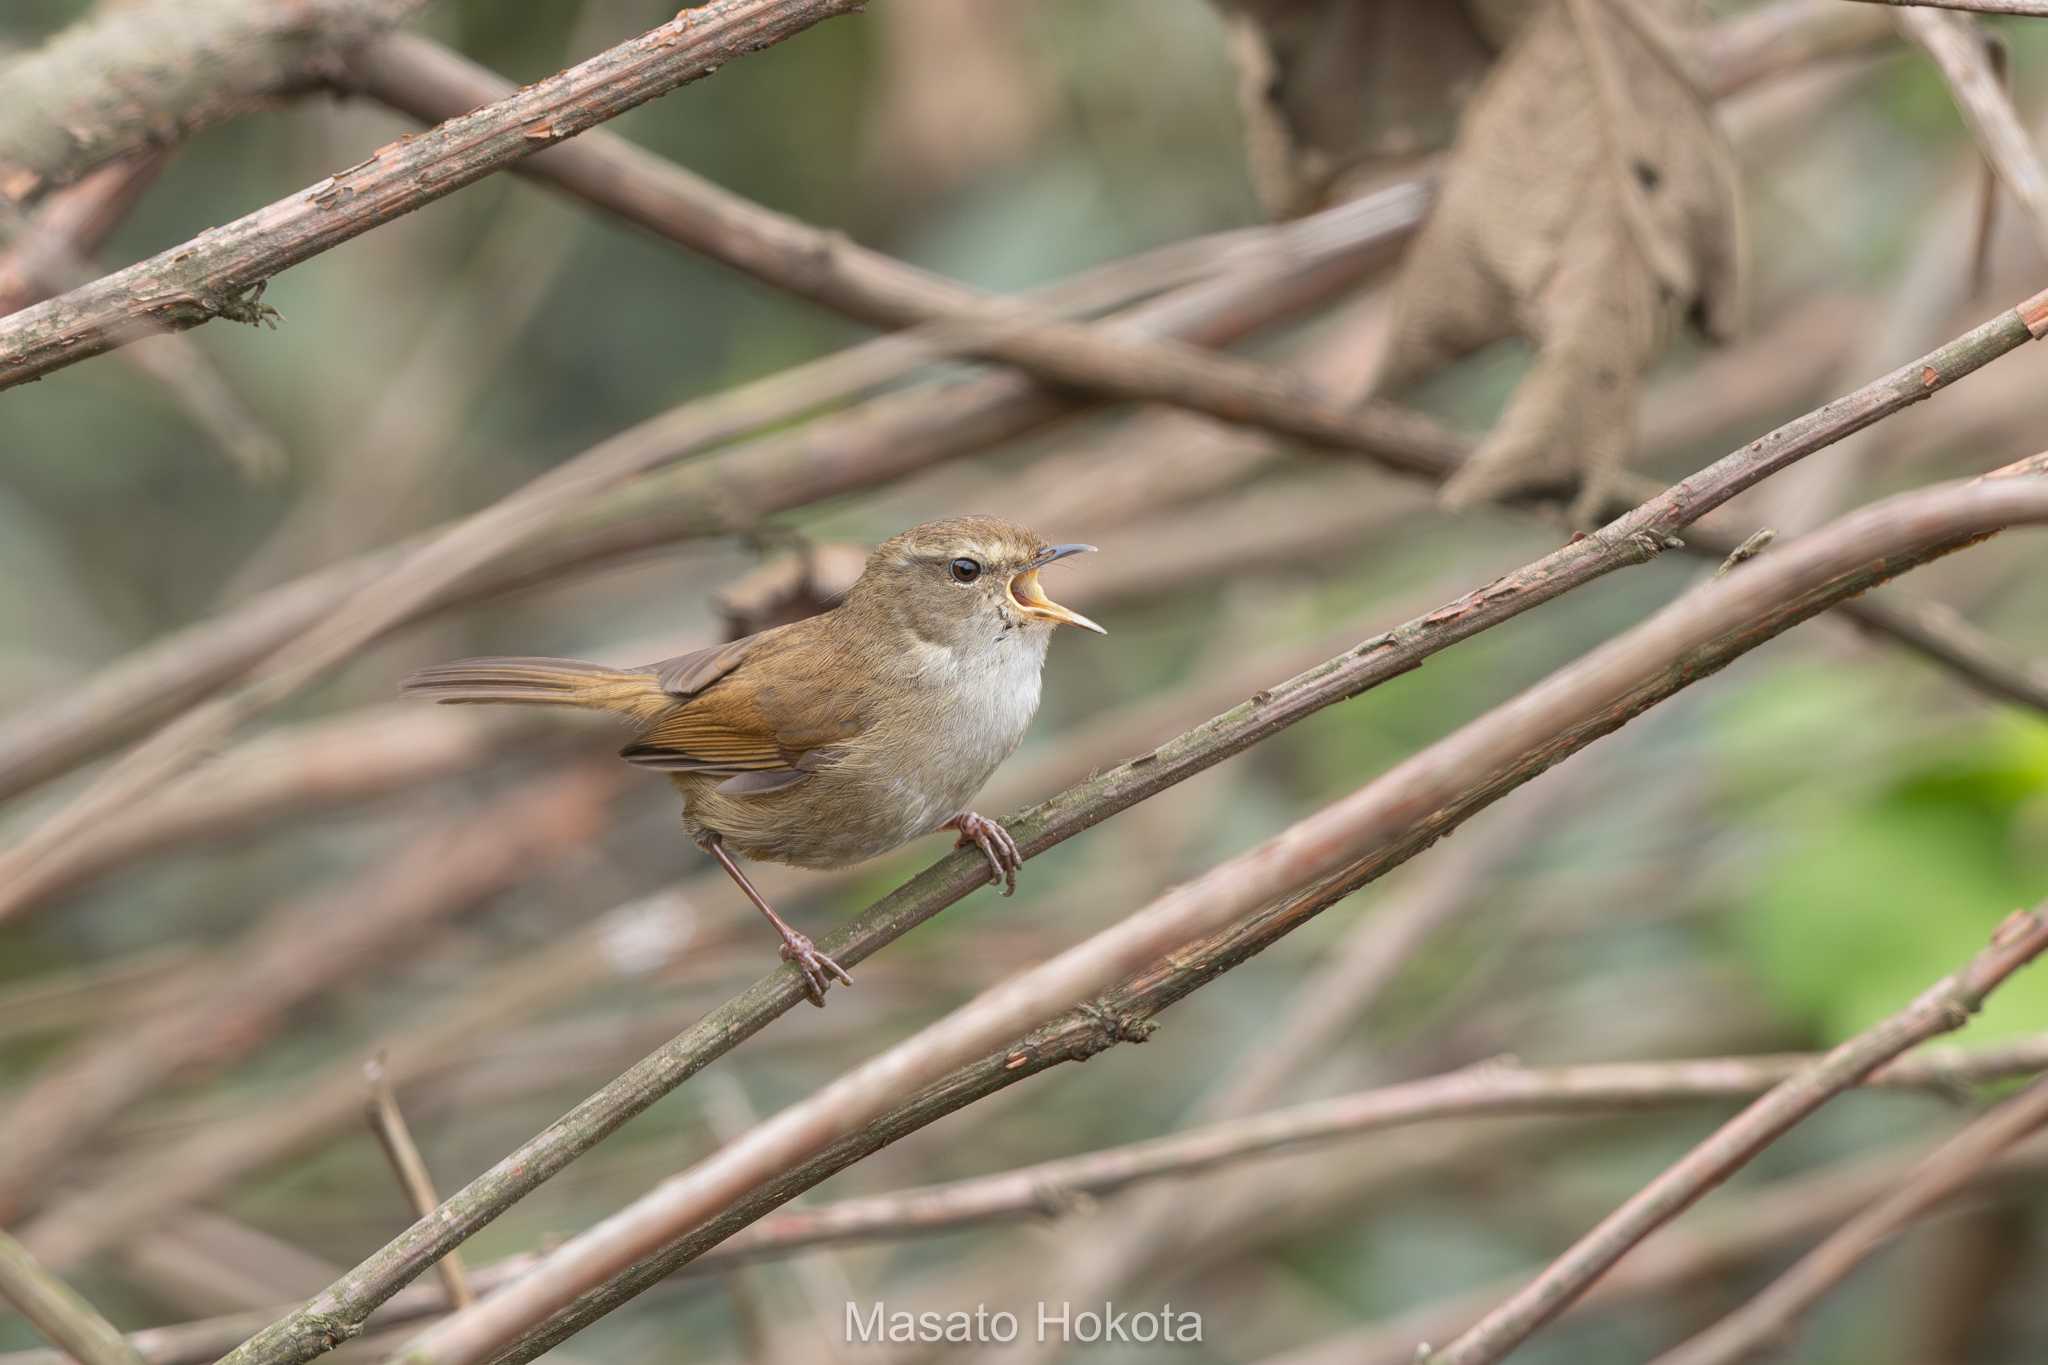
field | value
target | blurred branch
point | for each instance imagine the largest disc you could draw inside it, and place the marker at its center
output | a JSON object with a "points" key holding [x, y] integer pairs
{"points": [[220, 273], [1235, 390], [387, 1121], [1058, 1189], [60, 1001], [1784, 36], [1278, 272], [1053, 1188], [288, 773], [291, 772], [1345, 845], [432, 84], [1728, 1236], [59, 1312], [634, 939], [1767, 1319], [138, 75], [1959, 50], [1945, 1007], [2036, 8], [238, 997], [183, 372], [78, 218], [399, 586]]}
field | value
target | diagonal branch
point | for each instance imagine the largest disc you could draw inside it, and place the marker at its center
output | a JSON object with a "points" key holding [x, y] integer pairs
{"points": [[218, 273], [1055, 1188], [1945, 1007], [1346, 844], [1958, 49], [75, 221], [58, 1311], [1768, 1318], [2036, 8]]}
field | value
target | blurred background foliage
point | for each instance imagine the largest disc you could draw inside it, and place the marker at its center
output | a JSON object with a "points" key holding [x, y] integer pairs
{"points": [[1773, 860]]}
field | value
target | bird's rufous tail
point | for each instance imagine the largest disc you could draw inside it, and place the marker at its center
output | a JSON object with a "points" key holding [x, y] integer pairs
{"points": [[541, 682]]}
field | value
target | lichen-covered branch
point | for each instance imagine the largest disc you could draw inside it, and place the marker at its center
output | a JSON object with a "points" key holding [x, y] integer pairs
{"points": [[134, 76], [218, 273]]}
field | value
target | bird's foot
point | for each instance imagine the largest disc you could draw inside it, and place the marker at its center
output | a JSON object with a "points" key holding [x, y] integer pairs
{"points": [[996, 845], [819, 970]]}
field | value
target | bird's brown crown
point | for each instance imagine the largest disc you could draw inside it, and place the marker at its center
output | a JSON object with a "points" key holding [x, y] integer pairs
{"points": [[990, 539]]}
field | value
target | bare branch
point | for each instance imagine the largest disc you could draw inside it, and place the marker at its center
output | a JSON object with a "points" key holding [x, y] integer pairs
{"points": [[78, 218], [1743, 1229], [1050, 1187], [1730, 1235], [2036, 8], [632, 939], [387, 1121], [1768, 1318], [218, 273], [1945, 1007], [1958, 49], [302, 948], [58, 1311], [176, 364]]}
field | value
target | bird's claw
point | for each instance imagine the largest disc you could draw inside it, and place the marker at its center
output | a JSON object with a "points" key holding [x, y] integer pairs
{"points": [[818, 970], [996, 845]]}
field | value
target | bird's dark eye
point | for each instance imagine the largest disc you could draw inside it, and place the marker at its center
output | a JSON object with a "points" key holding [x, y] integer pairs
{"points": [[965, 570]]}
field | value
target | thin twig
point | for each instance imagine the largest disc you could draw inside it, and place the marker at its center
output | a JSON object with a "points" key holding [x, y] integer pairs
{"points": [[237, 998], [1769, 1317], [1746, 1228], [58, 1311], [80, 217], [1725, 1237], [220, 273], [1959, 51], [2036, 8], [633, 939], [176, 364], [1944, 1008], [1049, 1188], [387, 1121]]}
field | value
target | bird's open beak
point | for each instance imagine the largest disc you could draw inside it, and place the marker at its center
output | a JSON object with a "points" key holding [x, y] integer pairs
{"points": [[1031, 598]]}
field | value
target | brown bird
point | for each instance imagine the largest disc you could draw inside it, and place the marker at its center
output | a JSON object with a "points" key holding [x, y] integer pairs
{"points": [[841, 736]]}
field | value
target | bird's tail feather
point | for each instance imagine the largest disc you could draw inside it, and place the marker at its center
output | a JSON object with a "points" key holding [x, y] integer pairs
{"points": [[541, 682]]}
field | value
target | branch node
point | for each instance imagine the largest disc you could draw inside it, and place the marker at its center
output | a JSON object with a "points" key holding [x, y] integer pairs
{"points": [[1747, 550], [241, 305]]}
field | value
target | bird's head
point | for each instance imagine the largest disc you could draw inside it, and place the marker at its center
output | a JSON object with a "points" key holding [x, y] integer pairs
{"points": [[967, 580]]}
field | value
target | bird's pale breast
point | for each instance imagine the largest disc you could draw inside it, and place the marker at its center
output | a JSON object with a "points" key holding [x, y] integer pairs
{"points": [[962, 713]]}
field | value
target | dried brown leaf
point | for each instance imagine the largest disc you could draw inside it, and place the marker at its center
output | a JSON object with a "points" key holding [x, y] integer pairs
{"points": [[1590, 205], [1332, 89]]}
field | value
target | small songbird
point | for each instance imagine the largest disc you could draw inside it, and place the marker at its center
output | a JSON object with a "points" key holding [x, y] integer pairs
{"points": [[841, 736]]}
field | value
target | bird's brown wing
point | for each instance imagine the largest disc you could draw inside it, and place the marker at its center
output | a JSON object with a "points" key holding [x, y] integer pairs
{"points": [[763, 726]]}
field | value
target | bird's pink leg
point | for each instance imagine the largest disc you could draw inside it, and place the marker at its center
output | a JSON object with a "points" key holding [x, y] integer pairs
{"points": [[818, 970], [995, 843]]}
